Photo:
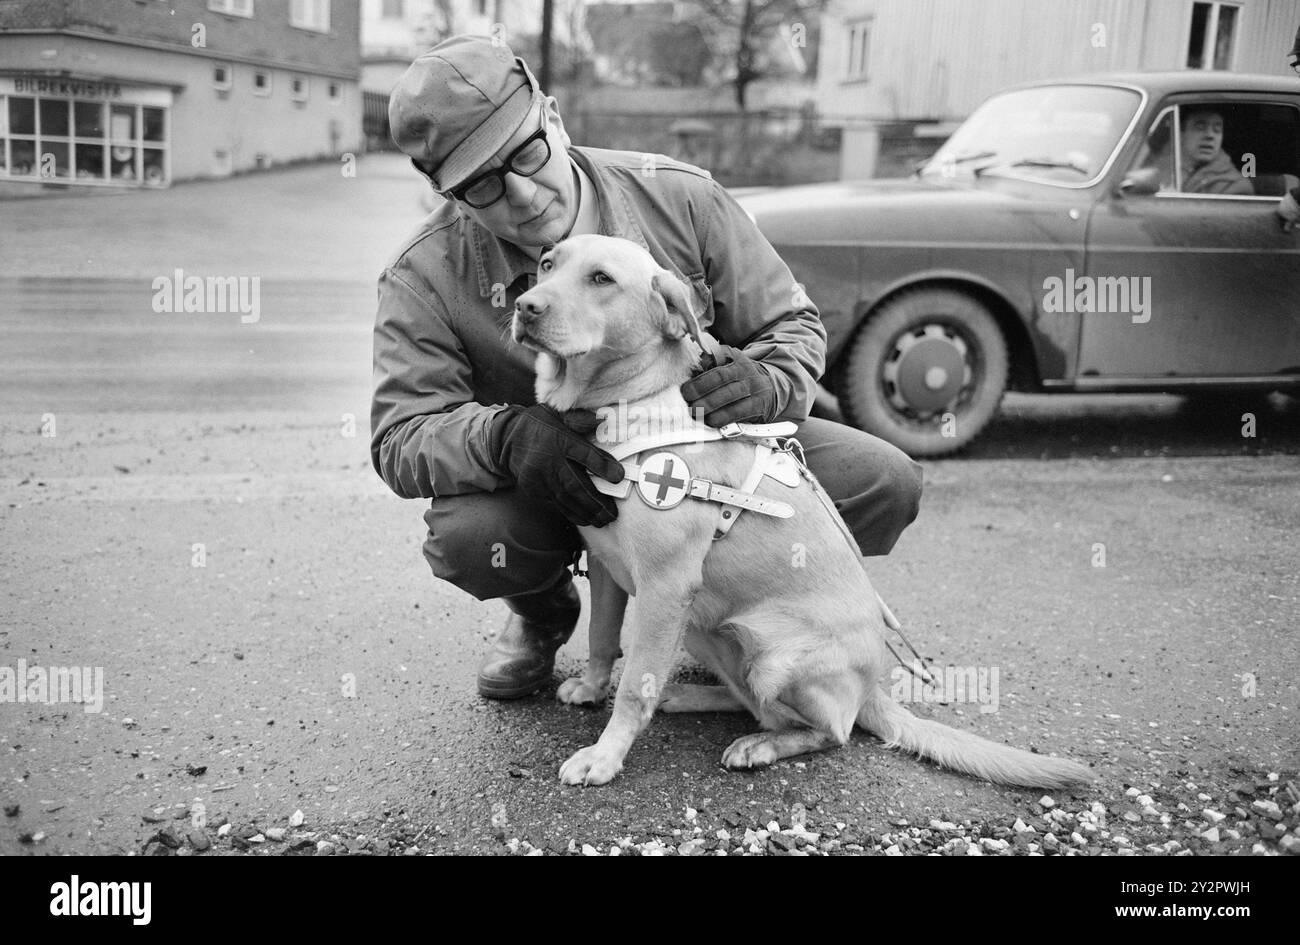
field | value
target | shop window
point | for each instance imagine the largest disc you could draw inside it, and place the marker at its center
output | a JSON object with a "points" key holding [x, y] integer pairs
{"points": [[122, 123], [154, 165], [54, 117], [62, 140], [90, 160], [261, 83], [23, 157], [122, 163], [89, 120], [153, 122], [56, 160], [22, 115]]}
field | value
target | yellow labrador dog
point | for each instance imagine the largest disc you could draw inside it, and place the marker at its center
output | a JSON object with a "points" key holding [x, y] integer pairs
{"points": [[800, 646]]}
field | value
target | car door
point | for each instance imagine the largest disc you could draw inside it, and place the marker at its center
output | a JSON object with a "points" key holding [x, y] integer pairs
{"points": [[1211, 278]]}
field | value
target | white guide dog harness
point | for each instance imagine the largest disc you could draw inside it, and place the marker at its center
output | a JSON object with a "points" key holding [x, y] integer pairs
{"points": [[663, 478]]}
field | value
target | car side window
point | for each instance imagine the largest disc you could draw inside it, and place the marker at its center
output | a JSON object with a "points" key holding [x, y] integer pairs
{"points": [[1223, 149], [1272, 149]]}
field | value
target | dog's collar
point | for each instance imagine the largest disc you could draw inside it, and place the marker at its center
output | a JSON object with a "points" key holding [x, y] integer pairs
{"points": [[663, 480], [697, 432]]}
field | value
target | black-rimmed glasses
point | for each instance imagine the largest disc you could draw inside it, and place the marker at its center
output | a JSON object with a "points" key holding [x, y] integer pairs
{"points": [[525, 161]]}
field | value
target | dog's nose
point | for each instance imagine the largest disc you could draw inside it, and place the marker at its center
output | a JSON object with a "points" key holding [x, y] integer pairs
{"points": [[529, 310]]}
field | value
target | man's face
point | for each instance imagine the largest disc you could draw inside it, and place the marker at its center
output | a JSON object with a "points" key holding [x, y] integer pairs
{"points": [[539, 210], [1202, 137]]}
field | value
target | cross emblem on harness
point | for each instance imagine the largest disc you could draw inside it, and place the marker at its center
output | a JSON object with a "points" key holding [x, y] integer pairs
{"points": [[658, 486], [665, 482]]}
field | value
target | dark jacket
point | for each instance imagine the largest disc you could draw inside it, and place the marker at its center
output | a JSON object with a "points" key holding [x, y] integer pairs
{"points": [[444, 364]]}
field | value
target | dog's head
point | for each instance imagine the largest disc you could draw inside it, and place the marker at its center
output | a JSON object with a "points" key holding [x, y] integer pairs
{"points": [[601, 312]]}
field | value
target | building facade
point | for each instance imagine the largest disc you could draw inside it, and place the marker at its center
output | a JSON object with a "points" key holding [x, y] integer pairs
{"points": [[929, 63], [141, 93]]}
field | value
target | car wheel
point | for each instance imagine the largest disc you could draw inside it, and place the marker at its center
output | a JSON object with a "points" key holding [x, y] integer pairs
{"points": [[925, 372]]}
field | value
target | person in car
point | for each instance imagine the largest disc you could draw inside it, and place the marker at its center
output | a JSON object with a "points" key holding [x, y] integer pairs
{"points": [[1207, 167]]}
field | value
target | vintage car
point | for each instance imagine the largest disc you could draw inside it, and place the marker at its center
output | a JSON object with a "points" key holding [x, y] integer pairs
{"points": [[1109, 233]]}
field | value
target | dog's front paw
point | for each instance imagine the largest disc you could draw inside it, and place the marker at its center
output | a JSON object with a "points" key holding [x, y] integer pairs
{"points": [[577, 691], [591, 765], [750, 751]]}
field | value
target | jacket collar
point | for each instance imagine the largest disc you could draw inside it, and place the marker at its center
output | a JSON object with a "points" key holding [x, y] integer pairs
{"points": [[500, 263]]}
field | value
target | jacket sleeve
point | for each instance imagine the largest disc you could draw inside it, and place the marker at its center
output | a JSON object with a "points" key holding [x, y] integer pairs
{"points": [[759, 307], [429, 437]]}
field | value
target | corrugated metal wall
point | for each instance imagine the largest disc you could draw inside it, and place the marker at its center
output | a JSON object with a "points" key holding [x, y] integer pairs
{"points": [[1268, 32], [940, 58]]}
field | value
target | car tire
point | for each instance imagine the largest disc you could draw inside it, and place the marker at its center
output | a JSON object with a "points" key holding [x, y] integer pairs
{"points": [[900, 376]]}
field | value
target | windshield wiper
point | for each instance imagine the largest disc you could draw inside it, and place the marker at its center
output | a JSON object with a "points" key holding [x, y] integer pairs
{"points": [[1036, 162], [966, 158]]}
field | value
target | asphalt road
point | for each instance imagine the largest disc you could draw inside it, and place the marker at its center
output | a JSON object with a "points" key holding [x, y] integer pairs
{"points": [[312, 664]]}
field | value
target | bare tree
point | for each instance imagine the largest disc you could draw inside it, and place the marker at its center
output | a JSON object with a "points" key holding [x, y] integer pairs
{"points": [[743, 32]]}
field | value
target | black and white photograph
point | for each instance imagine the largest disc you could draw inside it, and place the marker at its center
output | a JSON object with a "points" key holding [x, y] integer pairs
{"points": [[712, 428]]}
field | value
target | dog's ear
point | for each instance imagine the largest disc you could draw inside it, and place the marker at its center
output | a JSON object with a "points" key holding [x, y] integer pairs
{"points": [[680, 317]]}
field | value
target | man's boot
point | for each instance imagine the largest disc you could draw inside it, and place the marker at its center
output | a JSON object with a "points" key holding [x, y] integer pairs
{"points": [[523, 656]]}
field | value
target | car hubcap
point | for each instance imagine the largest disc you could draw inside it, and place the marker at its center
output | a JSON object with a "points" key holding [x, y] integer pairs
{"points": [[927, 371]]}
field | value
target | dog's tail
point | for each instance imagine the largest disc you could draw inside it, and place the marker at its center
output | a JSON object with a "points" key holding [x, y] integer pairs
{"points": [[964, 751]]}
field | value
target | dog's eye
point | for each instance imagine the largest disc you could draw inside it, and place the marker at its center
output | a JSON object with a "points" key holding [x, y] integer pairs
{"points": [[601, 278], [544, 266]]}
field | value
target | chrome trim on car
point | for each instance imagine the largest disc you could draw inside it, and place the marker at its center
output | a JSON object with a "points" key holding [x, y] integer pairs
{"points": [[1156, 383]]}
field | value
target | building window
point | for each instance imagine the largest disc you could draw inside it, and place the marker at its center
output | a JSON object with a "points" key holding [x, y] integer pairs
{"points": [[1212, 40], [859, 46], [62, 139], [221, 78], [299, 88], [481, 7], [261, 83], [335, 92], [310, 15], [392, 10], [233, 7]]}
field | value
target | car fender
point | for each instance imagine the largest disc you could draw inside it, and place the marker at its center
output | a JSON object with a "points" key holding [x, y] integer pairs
{"points": [[1012, 309]]}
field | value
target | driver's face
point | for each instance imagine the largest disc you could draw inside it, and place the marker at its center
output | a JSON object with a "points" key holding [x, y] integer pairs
{"points": [[1202, 137]]}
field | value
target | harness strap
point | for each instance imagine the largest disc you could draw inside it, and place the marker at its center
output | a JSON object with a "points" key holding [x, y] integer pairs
{"points": [[727, 516], [699, 433], [733, 501]]}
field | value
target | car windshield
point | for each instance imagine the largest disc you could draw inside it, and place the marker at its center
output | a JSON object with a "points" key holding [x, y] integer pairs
{"points": [[1061, 134]]}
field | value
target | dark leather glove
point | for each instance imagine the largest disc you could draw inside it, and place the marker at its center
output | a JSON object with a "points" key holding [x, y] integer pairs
{"points": [[550, 462], [737, 390]]}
